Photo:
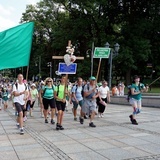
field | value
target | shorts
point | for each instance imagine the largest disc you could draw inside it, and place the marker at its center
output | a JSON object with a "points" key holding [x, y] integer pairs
{"points": [[75, 104], [135, 102], [48, 102], [89, 106], [19, 107], [60, 105]]}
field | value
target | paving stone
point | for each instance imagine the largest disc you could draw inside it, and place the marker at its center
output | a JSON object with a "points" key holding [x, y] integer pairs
{"points": [[112, 139]]}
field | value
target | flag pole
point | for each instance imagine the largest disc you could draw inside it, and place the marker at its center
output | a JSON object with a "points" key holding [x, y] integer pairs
{"points": [[98, 69], [27, 72], [154, 81]]}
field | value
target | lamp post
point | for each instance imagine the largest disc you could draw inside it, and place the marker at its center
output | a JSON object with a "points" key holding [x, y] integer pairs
{"points": [[113, 53], [49, 64], [91, 54], [38, 65]]}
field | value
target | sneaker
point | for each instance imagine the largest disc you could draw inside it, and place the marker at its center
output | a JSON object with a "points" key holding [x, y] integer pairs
{"points": [[131, 117], [52, 121], [99, 115], [75, 118], [57, 126], [85, 117], [134, 122], [81, 120], [61, 127], [24, 119], [42, 115], [18, 125], [21, 131], [102, 116], [46, 121], [92, 124]]}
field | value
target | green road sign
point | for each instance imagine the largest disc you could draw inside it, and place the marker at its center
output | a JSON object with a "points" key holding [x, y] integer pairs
{"points": [[101, 52]]}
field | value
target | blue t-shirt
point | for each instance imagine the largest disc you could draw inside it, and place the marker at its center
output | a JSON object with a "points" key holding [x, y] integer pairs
{"points": [[78, 92]]}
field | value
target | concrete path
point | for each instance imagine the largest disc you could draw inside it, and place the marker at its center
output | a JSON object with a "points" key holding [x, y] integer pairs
{"points": [[114, 138]]}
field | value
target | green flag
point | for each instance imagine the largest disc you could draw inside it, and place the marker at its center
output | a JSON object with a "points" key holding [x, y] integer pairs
{"points": [[15, 46]]}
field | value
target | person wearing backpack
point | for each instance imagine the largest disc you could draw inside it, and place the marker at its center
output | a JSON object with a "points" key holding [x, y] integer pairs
{"points": [[135, 98], [20, 92], [91, 93], [47, 96], [77, 98], [61, 91]]}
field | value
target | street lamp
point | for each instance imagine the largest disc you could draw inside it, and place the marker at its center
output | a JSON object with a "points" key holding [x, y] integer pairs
{"points": [[113, 53], [90, 52], [38, 66], [49, 64]]}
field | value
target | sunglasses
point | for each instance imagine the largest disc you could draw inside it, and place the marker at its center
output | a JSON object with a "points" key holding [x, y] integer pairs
{"points": [[49, 81]]}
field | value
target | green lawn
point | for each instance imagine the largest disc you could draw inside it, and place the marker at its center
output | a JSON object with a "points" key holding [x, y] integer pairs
{"points": [[151, 90], [154, 90]]}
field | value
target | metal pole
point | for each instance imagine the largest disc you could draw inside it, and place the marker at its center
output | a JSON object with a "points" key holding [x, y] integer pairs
{"points": [[92, 52], [51, 69], [39, 66], [110, 71]]}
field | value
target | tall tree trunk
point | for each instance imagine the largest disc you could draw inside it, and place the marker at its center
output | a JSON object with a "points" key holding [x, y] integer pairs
{"points": [[128, 77]]}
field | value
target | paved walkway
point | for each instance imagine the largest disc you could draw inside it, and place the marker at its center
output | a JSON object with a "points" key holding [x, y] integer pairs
{"points": [[114, 138]]}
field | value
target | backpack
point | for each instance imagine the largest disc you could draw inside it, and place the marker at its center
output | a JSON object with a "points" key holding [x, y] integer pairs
{"points": [[129, 92], [82, 91], [46, 88], [89, 96]]}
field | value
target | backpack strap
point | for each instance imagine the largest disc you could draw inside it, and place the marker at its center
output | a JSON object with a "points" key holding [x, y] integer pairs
{"points": [[57, 89], [16, 84], [46, 88], [76, 88]]}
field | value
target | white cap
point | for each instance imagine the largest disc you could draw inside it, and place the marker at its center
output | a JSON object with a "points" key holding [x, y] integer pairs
{"points": [[33, 85]]}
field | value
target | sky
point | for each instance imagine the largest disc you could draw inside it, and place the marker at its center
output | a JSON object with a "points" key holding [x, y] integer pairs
{"points": [[11, 12]]}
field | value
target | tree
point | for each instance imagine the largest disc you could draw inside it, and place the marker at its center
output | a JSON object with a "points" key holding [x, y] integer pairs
{"points": [[133, 24]]}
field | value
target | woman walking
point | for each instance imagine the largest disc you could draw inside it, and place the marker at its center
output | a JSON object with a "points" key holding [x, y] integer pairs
{"points": [[33, 96], [47, 95], [135, 98], [104, 97]]}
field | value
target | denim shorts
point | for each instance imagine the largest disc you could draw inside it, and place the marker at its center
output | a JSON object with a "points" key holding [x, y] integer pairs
{"points": [[135, 102]]}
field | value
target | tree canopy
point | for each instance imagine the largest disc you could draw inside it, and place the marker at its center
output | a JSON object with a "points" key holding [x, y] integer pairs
{"points": [[134, 24]]}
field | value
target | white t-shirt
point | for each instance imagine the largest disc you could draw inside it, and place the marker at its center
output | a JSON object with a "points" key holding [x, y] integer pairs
{"points": [[103, 91], [20, 88]]}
